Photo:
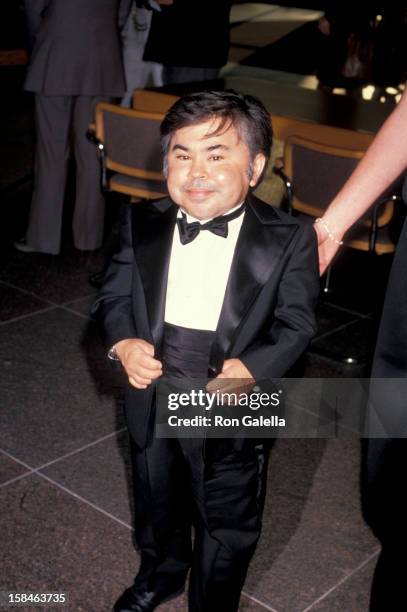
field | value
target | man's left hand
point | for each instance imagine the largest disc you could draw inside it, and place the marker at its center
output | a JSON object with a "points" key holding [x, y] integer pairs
{"points": [[234, 368], [230, 379]]}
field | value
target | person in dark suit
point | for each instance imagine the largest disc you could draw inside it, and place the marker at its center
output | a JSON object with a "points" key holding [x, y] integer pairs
{"points": [[208, 280], [75, 63], [194, 53]]}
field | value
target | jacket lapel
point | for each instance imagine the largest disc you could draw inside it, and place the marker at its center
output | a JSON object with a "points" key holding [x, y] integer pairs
{"points": [[153, 225], [263, 238]]}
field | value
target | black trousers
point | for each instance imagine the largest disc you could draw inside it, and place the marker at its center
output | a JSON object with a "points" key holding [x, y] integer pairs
{"points": [[216, 486]]}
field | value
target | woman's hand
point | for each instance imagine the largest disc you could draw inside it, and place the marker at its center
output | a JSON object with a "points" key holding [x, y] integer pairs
{"points": [[327, 247]]}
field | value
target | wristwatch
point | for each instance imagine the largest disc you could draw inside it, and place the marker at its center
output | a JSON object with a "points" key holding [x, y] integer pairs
{"points": [[112, 354]]}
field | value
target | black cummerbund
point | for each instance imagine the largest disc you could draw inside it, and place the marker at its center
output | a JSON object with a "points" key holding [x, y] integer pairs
{"points": [[186, 351]]}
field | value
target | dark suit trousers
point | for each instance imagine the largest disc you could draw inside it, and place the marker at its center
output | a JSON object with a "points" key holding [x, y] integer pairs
{"points": [[215, 485], [58, 118]]}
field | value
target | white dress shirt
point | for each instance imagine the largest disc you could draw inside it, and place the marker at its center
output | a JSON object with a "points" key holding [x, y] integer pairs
{"points": [[198, 275]]}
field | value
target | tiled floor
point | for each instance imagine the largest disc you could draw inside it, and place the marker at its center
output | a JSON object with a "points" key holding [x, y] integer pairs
{"points": [[65, 490]]}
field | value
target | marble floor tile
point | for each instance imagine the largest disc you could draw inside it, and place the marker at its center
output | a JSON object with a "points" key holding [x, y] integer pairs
{"points": [[249, 604], [181, 605], [87, 472], [60, 392], [351, 595], [52, 542], [329, 318], [355, 341], [82, 305], [10, 469], [313, 533], [318, 366], [58, 278], [312, 509], [16, 303]]}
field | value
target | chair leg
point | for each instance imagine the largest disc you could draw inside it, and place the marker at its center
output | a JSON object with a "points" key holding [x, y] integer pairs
{"points": [[327, 286]]}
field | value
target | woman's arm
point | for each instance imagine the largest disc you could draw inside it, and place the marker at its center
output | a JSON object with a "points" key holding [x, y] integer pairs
{"points": [[384, 161]]}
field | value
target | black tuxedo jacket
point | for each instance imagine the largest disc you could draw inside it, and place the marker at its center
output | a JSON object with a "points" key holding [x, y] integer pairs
{"points": [[267, 317]]}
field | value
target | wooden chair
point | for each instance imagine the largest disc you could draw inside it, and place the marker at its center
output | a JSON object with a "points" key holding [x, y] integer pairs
{"points": [[314, 167], [128, 143], [152, 101]]}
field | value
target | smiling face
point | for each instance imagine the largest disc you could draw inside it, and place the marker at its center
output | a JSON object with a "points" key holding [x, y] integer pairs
{"points": [[209, 174]]}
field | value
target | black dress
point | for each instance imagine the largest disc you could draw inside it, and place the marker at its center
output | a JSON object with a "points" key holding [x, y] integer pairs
{"points": [[386, 467]]}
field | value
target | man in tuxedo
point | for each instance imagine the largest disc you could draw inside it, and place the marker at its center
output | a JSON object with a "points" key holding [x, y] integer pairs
{"points": [[209, 281]]}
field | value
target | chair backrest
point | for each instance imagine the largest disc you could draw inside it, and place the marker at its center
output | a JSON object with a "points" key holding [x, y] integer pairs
{"points": [[152, 101], [319, 132], [318, 170], [131, 139]]}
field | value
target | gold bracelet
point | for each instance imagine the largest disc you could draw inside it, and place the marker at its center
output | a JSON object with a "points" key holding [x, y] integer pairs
{"points": [[330, 234]]}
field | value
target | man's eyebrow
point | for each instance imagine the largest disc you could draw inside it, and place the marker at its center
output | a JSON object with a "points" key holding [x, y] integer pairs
{"points": [[179, 146], [217, 146]]}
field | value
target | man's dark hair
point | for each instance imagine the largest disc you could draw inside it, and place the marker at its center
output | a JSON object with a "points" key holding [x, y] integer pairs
{"points": [[246, 113]]}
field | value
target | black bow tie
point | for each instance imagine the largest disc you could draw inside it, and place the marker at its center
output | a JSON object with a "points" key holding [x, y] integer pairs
{"points": [[219, 226]]}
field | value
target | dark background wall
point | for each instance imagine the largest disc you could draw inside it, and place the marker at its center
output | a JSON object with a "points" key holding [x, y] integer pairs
{"points": [[12, 30]]}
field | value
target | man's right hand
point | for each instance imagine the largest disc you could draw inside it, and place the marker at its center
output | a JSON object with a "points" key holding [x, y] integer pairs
{"points": [[137, 358]]}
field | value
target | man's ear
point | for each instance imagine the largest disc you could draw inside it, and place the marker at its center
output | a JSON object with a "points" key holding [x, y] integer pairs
{"points": [[257, 167]]}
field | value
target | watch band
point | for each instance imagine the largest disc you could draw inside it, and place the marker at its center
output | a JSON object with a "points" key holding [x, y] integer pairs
{"points": [[112, 354]]}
